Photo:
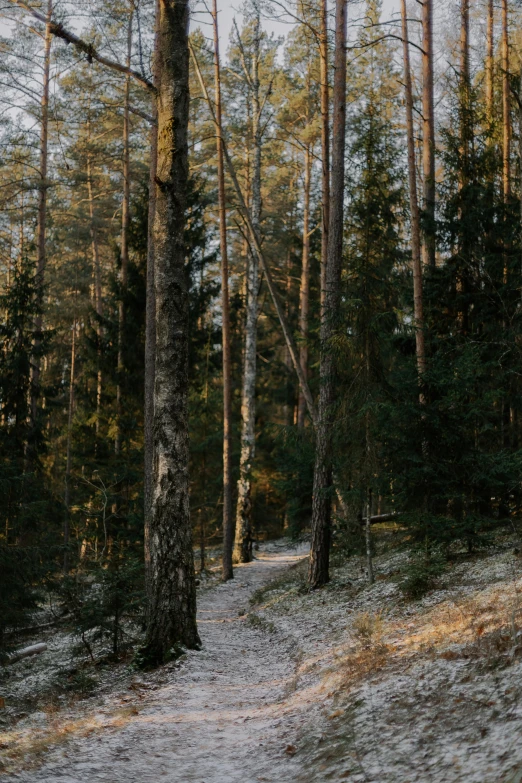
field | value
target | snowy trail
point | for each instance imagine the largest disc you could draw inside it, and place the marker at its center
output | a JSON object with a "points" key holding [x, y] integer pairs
{"points": [[218, 717]]}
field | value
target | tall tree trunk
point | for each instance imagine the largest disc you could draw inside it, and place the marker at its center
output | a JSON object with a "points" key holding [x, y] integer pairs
{"points": [[256, 245], [98, 302], [464, 89], [42, 206], [150, 320], [418, 310], [466, 135], [228, 518], [428, 135], [506, 122], [125, 218], [171, 579], [520, 149], [490, 43], [322, 501], [325, 146], [67, 497], [243, 540], [304, 293]]}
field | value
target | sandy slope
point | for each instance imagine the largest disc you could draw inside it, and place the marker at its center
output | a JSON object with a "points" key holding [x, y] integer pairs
{"points": [[216, 719]]}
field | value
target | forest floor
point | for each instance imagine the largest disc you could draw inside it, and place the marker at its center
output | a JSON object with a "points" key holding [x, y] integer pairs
{"points": [[352, 682]]}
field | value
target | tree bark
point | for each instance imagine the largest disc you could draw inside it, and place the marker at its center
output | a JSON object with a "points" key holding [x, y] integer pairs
{"points": [[489, 63], [464, 86], [67, 497], [171, 579], [150, 321], [243, 539], [125, 218], [428, 135], [418, 310], [506, 121], [325, 145], [228, 518], [304, 293], [98, 302], [322, 501], [41, 230]]}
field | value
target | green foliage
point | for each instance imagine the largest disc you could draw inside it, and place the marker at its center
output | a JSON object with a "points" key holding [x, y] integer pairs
{"points": [[104, 600], [425, 566]]}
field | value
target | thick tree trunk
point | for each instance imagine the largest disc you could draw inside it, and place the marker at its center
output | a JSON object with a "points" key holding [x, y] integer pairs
{"points": [[228, 518], [506, 121], [428, 135], [325, 145], [243, 540], [322, 497], [125, 218], [171, 580], [418, 310], [67, 494], [150, 321], [42, 205], [304, 293]]}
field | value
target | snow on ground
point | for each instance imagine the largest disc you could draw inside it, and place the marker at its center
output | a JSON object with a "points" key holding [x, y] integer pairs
{"points": [[409, 692], [351, 682]]}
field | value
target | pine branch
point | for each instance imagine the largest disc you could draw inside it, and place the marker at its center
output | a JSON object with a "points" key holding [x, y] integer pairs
{"points": [[59, 31]]}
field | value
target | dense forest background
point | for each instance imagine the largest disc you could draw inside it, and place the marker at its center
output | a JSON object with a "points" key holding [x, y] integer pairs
{"points": [[445, 455]]}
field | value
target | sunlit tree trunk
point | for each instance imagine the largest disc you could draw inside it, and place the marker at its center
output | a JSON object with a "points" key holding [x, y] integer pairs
{"points": [[98, 302], [171, 579], [304, 293], [228, 517], [322, 493], [490, 43], [506, 121], [428, 134], [243, 539], [325, 145], [125, 218]]}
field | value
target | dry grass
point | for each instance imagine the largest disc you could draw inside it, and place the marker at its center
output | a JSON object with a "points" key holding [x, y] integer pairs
{"points": [[24, 748]]}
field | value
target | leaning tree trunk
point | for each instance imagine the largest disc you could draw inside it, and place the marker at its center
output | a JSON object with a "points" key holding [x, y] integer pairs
{"points": [[243, 540], [171, 579], [125, 220], [42, 209], [322, 496], [428, 135], [304, 293], [228, 518], [418, 309]]}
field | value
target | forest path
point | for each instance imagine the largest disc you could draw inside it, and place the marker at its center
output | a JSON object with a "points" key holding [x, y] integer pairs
{"points": [[216, 719]]}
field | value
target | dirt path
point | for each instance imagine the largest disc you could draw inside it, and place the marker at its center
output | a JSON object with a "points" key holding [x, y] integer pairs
{"points": [[216, 719]]}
